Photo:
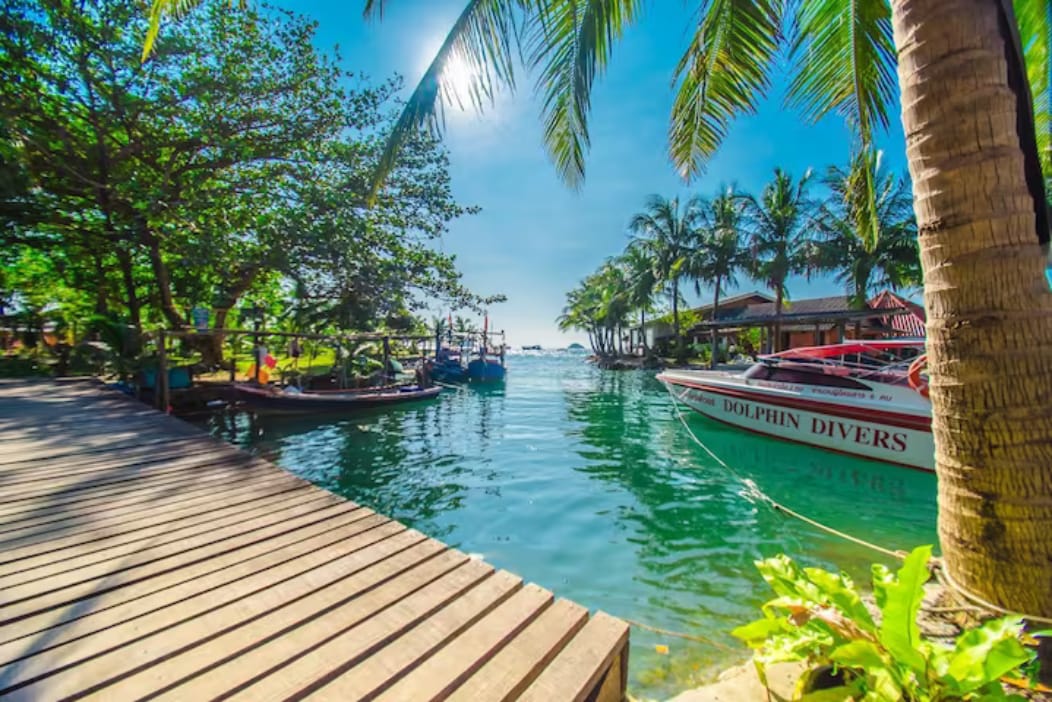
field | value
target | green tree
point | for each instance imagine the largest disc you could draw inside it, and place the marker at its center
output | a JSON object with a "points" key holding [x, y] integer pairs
{"points": [[780, 236], [232, 164], [643, 283], [868, 244], [719, 255], [666, 231]]}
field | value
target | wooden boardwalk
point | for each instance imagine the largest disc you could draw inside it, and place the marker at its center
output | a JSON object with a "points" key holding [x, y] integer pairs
{"points": [[141, 558]]}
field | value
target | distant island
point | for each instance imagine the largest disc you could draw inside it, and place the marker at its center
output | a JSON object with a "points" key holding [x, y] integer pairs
{"points": [[575, 347]]}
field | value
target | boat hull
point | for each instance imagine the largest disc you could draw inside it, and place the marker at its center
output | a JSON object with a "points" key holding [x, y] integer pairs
{"points": [[485, 371], [884, 435], [329, 402]]}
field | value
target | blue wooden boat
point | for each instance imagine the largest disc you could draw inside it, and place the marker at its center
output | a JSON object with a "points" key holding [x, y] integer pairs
{"points": [[449, 365], [485, 370], [449, 370]]}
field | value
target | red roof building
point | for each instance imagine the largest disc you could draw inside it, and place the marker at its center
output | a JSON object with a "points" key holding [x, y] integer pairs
{"points": [[911, 324]]}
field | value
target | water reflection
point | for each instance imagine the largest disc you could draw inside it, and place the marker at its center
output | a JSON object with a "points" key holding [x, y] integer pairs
{"points": [[695, 535]]}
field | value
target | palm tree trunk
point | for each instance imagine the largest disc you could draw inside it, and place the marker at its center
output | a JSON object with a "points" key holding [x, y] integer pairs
{"points": [[988, 303], [643, 331], [776, 342], [675, 318], [715, 312]]}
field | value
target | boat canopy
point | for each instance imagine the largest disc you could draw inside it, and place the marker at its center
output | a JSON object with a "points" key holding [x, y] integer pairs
{"points": [[848, 348]]}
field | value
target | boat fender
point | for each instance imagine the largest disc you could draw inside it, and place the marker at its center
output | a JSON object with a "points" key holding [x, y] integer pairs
{"points": [[914, 375]]}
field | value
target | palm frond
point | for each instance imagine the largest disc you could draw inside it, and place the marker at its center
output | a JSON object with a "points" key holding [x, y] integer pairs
{"points": [[176, 9], [844, 61], [374, 8], [1034, 18], [483, 40], [724, 72], [571, 43]]}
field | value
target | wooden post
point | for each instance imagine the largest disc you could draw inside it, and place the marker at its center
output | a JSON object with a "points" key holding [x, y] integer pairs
{"points": [[387, 359], [161, 386], [233, 358], [840, 331], [256, 355], [818, 334]]}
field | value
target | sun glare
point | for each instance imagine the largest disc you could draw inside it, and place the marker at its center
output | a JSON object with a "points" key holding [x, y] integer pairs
{"points": [[457, 79]]}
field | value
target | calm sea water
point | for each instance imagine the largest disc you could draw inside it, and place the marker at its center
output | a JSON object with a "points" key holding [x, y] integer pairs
{"points": [[585, 482]]}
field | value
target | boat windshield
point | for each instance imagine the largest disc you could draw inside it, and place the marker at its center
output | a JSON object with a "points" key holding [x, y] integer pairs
{"points": [[882, 362]]}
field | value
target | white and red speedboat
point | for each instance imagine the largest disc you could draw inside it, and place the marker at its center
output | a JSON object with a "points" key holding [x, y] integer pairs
{"points": [[865, 398]]}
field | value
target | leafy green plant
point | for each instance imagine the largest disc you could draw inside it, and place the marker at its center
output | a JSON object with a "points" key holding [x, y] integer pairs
{"points": [[819, 617]]}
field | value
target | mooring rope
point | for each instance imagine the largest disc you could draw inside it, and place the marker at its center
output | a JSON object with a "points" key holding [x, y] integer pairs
{"points": [[753, 490], [938, 568], [943, 576], [677, 634]]}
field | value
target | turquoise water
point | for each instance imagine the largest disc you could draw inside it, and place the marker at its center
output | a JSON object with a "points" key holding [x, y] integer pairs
{"points": [[585, 482]]}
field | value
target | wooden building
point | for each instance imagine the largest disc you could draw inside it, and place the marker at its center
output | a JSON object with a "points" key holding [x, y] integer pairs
{"points": [[803, 322]]}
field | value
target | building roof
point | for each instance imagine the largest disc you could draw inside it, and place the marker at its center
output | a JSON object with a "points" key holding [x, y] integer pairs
{"points": [[809, 310], [911, 324], [728, 306], [810, 306]]}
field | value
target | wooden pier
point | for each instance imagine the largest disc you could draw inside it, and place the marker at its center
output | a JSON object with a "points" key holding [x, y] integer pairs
{"points": [[141, 558]]}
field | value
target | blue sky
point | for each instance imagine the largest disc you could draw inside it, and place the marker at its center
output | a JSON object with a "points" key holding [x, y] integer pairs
{"points": [[535, 238]]}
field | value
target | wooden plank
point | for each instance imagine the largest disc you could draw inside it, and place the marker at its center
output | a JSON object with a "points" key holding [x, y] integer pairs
{"points": [[214, 487], [384, 667], [257, 567], [106, 459], [473, 589], [81, 456], [137, 571], [510, 672], [357, 625], [444, 671], [169, 506], [580, 666], [131, 491], [143, 529], [113, 558], [97, 671], [192, 465]]}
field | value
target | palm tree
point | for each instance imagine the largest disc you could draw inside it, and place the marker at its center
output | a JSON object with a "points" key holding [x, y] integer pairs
{"points": [[780, 236], [869, 242], [720, 256], [599, 306], [665, 230], [643, 283], [969, 109]]}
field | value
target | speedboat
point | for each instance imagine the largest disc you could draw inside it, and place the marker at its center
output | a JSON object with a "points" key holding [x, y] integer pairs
{"points": [[864, 398]]}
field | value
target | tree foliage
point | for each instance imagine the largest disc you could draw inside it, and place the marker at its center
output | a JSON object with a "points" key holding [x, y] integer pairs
{"points": [[235, 163]]}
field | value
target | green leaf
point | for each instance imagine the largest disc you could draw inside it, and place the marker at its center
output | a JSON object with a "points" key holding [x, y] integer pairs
{"points": [[841, 593], [1034, 18], [878, 668], [844, 60], [482, 41], [899, 632], [571, 44], [984, 654], [858, 654], [724, 72], [882, 578], [788, 579], [754, 634]]}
